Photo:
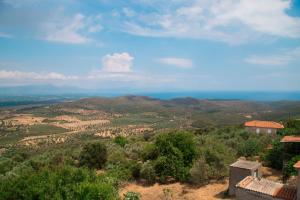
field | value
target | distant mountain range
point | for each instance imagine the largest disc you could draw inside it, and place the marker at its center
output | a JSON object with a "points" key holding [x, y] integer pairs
{"points": [[219, 112], [39, 90], [46, 90]]}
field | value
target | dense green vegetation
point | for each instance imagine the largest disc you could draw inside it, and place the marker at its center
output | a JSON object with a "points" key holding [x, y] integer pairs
{"points": [[189, 156], [93, 155], [284, 156], [57, 183]]}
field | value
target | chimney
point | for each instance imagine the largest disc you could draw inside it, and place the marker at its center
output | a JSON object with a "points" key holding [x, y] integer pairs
{"points": [[297, 167]]}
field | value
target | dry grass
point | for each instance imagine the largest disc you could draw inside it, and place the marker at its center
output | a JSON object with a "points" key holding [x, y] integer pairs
{"points": [[73, 123], [178, 191], [24, 119], [35, 141]]}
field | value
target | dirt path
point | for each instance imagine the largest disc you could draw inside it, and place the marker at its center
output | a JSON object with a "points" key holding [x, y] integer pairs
{"points": [[49, 139], [177, 191]]}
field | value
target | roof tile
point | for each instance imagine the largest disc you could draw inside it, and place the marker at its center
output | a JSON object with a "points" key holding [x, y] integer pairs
{"points": [[264, 124], [290, 138], [297, 165], [267, 187]]}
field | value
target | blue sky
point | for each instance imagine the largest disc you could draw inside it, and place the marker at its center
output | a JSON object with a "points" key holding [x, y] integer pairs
{"points": [[151, 45]]}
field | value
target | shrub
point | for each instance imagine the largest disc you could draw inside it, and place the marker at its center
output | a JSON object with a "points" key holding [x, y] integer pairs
{"points": [[274, 156], [149, 152], [132, 196], [183, 141], [249, 147], [199, 171], [87, 190], [61, 183], [136, 170], [173, 154], [93, 155], [116, 156], [147, 172], [217, 157], [6, 164], [288, 168], [120, 140]]}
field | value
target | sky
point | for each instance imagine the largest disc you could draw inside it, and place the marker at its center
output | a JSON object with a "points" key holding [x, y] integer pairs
{"points": [[151, 45]]}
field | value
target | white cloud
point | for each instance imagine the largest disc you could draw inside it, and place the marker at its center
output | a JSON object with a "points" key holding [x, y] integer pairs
{"points": [[74, 30], [178, 62], [232, 21], [21, 75], [19, 3], [96, 28], [283, 58], [128, 12], [117, 62], [259, 16]]}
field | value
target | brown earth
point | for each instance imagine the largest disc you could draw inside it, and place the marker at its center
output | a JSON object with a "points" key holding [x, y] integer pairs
{"points": [[82, 111], [271, 174], [34, 141], [178, 191], [73, 123], [24, 119]]}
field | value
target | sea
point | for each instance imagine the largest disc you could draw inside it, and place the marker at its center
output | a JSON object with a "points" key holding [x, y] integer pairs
{"points": [[229, 95]]}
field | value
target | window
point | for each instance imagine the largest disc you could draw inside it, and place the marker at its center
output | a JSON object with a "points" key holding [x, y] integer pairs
{"points": [[269, 131], [256, 174]]}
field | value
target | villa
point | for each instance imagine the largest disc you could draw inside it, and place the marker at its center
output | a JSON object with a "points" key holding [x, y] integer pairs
{"points": [[268, 127]]}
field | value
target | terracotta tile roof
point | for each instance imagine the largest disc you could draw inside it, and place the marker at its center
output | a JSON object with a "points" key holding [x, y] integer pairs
{"points": [[245, 182], [264, 124], [286, 193], [267, 187], [290, 138], [245, 164], [297, 165]]}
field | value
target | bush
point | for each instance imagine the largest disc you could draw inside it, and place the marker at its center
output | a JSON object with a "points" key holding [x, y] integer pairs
{"points": [[199, 171], [120, 140], [173, 154], [147, 172], [171, 166], [6, 164], [87, 190], [217, 162], [183, 141], [62, 183], [136, 170], [288, 168], [149, 152], [274, 156], [215, 158], [93, 155], [132, 196], [249, 147]]}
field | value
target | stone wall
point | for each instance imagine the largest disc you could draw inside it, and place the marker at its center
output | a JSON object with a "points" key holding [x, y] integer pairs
{"points": [[271, 131], [235, 176]]}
